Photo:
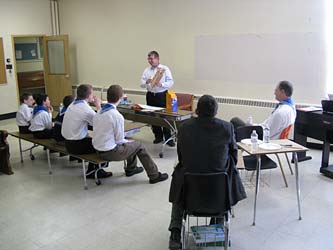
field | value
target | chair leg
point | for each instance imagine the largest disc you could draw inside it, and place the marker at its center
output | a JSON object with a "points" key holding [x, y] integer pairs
{"points": [[232, 211], [226, 231], [287, 158], [184, 233], [282, 172]]}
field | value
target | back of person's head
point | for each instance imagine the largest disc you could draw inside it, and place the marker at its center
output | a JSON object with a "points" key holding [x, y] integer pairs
{"points": [[24, 97], [207, 106], [68, 99], [154, 54], [40, 99], [83, 91], [115, 93], [287, 87]]}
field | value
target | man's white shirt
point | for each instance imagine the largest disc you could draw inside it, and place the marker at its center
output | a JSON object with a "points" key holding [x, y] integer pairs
{"points": [[280, 119], [166, 80], [109, 130], [76, 120], [24, 115], [40, 121]]}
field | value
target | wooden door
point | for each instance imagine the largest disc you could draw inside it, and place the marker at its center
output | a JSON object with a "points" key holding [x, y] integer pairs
{"points": [[56, 67], [3, 78]]}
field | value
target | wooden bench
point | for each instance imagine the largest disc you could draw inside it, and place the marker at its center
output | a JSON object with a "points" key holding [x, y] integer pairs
{"points": [[52, 145]]}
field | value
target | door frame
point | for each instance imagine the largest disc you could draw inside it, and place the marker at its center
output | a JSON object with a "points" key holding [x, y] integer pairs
{"points": [[14, 59]]}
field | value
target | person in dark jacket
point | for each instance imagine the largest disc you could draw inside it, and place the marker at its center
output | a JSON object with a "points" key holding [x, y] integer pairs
{"points": [[205, 145], [60, 117]]}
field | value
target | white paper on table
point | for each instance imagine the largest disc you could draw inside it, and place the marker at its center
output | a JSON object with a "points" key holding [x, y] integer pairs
{"points": [[150, 108]]}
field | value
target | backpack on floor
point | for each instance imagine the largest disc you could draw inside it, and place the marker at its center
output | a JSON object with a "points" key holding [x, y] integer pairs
{"points": [[4, 153]]}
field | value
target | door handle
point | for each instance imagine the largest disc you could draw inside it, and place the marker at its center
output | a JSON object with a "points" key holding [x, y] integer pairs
{"points": [[67, 76]]}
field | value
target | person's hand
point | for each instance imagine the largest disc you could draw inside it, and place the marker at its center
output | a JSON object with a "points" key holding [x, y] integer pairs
{"points": [[97, 102], [159, 84], [50, 109], [149, 81]]}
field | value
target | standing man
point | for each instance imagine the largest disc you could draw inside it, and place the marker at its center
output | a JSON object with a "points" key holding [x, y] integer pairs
{"points": [[156, 95]]}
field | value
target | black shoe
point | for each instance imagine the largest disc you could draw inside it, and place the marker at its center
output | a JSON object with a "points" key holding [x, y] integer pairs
{"points": [[174, 241], [136, 170], [72, 158], [158, 140], [171, 143], [100, 175], [62, 154], [161, 177]]}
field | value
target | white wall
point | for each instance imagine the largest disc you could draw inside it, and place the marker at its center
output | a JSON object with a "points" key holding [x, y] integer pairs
{"points": [[110, 39], [19, 17]]}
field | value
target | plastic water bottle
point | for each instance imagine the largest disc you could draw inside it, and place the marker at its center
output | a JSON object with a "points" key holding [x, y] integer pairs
{"points": [[250, 120], [254, 141], [60, 107], [266, 134]]}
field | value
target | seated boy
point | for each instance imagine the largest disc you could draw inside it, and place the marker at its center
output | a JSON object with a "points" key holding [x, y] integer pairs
{"points": [[24, 113], [109, 139], [41, 122], [59, 119], [78, 117]]}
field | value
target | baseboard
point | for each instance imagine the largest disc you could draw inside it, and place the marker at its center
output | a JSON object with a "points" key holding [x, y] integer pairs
{"points": [[8, 116]]}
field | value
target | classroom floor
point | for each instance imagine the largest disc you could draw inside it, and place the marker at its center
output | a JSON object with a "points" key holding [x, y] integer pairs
{"points": [[54, 212]]}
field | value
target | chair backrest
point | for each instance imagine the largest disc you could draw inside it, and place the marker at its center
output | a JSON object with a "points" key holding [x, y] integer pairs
{"points": [[185, 101], [245, 132], [285, 133], [206, 194]]}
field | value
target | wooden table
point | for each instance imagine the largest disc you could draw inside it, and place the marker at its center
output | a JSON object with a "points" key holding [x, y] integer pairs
{"points": [[287, 147], [161, 118]]}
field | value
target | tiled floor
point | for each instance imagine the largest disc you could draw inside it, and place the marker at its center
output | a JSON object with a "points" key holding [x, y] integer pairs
{"points": [[53, 212]]}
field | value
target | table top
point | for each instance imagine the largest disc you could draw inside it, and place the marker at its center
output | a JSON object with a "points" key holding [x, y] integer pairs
{"points": [[287, 146], [124, 108]]}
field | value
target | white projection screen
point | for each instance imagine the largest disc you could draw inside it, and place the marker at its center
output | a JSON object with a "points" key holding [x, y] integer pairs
{"points": [[267, 58]]}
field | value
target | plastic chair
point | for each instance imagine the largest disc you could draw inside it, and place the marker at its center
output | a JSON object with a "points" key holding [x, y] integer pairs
{"points": [[185, 101], [285, 135], [250, 161], [207, 195]]}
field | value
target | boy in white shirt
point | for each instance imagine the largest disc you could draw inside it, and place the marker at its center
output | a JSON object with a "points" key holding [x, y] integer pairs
{"points": [[109, 140], [75, 126], [41, 122], [24, 113]]}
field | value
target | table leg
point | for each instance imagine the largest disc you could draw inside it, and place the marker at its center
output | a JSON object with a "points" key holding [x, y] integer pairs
{"points": [[20, 145], [48, 160], [298, 189], [257, 189]]}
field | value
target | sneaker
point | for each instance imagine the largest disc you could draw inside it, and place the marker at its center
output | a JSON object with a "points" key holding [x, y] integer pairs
{"points": [[171, 143], [174, 241], [100, 175], [158, 140], [136, 170], [161, 177]]}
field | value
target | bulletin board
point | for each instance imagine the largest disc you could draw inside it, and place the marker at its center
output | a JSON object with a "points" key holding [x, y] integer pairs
{"points": [[26, 51]]}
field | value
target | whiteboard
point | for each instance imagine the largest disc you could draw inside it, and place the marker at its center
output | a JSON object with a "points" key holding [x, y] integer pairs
{"points": [[263, 59]]}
